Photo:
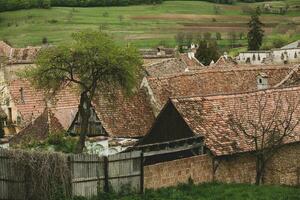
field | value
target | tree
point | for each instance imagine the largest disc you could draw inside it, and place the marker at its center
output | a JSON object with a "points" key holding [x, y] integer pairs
{"points": [[207, 51], [232, 38], [218, 36], [180, 39], [256, 33], [266, 121], [207, 35], [92, 62]]}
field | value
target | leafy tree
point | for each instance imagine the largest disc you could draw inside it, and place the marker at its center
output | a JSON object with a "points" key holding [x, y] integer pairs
{"points": [[207, 36], [218, 36], [180, 40], [232, 38], [207, 51], [256, 33], [92, 62]]}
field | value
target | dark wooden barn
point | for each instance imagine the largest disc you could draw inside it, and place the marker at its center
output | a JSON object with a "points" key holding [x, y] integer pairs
{"points": [[169, 138]]}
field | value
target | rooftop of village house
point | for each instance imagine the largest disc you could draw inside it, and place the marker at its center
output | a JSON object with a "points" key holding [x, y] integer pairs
{"points": [[208, 116]]}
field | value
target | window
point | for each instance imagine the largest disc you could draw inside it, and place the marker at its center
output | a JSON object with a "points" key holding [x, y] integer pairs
{"points": [[253, 57], [295, 56]]}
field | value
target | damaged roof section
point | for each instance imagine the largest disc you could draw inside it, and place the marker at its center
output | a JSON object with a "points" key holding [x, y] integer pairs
{"points": [[18, 55]]}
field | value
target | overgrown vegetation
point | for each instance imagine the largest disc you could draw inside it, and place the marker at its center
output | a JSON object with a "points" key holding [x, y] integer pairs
{"points": [[47, 174], [58, 142], [207, 52], [210, 191]]}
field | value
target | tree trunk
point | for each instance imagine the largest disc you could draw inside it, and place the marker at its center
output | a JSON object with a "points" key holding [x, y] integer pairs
{"points": [[85, 113], [260, 170]]}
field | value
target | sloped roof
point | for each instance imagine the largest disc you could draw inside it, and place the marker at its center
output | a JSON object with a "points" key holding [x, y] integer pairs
{"points": [[292, 45], [39, 129], [18, 55], [213, 81], [165, 67], [124, 116], [208, 116], [33, 102], [292, 79], [225, 62], [192, 63]]}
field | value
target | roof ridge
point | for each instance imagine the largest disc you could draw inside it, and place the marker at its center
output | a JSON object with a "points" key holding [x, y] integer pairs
{"points": [[235, 95], [218, 70]]}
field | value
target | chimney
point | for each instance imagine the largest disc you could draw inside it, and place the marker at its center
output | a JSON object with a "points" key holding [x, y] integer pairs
{"points": [[262, 81]]}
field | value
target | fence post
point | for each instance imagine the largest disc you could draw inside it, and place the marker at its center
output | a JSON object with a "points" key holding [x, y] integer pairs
{"points": [[106, 182], [70, 189], [142, 173]]}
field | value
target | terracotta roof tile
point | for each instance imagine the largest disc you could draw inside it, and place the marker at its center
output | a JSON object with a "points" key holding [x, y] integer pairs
{"points": [[125, 116], [33, 103], [208, 116], [212, 81]]}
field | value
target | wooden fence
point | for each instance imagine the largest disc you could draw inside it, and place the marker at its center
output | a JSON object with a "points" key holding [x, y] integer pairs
{"points": [[90, 174]]}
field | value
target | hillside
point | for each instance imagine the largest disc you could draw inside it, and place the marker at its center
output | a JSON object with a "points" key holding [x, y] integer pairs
{"points": [[146, 25]]}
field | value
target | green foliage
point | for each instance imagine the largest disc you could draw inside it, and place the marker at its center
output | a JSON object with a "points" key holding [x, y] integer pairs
{"points": [[207, 51], [256, 33], [209, 191], [58, 142], [7, 5], [91, 60]]}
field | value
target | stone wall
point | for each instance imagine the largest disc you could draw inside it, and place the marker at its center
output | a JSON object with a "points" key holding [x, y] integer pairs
{"points": [[236, 169], [283, 168], [171, 173]]}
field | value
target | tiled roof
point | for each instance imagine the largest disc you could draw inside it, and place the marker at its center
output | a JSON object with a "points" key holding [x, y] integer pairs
{"points": [[211, 81], [225, 62], [191, 62], [166, 67], [292, 79], [208, 116], [39, 129], [33, 102], [18, 55], [180, 64], [124, 116]]}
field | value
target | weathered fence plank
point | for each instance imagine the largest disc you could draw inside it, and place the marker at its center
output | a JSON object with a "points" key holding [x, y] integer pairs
{"points": [[90, 174], [12, 179]]}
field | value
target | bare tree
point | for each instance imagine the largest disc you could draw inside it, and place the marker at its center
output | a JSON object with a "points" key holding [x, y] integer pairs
{"points": [[266, 121]]}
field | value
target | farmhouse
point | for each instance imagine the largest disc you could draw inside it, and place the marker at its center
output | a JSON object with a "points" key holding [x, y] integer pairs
{"points": [[227, 154]]}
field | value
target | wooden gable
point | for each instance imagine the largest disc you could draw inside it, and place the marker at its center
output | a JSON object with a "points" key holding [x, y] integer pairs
{"points": [[95, 126]]}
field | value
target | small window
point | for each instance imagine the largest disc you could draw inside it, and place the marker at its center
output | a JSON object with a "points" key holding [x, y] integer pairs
{"points": [[253, 57], [258, 57], [295, 56], [260, 81]]}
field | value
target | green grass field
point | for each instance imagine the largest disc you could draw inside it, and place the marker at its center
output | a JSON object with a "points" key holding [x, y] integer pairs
{"points": [[143, 26], [212, 191]]}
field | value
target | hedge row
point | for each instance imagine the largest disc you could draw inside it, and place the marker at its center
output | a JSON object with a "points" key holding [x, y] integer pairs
{"points": [[8, 5]]}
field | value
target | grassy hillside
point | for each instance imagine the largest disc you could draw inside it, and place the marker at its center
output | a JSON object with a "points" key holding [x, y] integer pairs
{"points": [[143, 26], [212, 191]]}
